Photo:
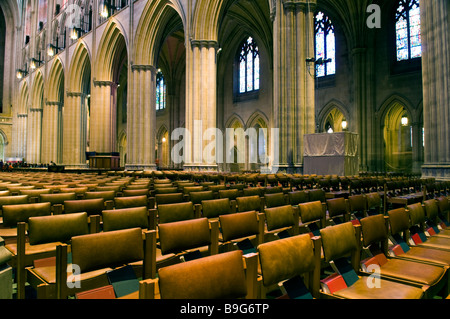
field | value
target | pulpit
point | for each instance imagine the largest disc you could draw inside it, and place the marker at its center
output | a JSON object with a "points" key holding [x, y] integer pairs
{"points": [[331, 154]]}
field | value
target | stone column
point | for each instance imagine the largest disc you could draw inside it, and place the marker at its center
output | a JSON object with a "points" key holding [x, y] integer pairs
{"points": [[293, 85], [21, 134], [141, 119], [34, 123], [435, 24], [51, 132], [103, 118], [201, 76], [75, 130]]}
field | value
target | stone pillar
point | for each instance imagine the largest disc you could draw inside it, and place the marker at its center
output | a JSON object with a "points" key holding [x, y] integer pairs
{"points": [[75, 130], [21, 135], [201, 76], [141, 119], [51, 132], [435, 24], [103, 118], [293, 79], [34, 123]]}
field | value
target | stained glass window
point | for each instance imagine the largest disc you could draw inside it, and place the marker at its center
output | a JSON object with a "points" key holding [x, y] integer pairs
{"points": [[325, 47], [160, 91], [248, 66], [407, 29]]}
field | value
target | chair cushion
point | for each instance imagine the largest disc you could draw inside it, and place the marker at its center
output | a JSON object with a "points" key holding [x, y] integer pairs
{"points": [[311, 211], [47, 229], [239, 225], [285, 258], [57, 198], [428, 255], [92, 206], [413, 271], [338, 240], [106, 195], [182, 235], [125, 218], [131, 201], [169, 198], [107, 249], [416, 213], [13, 214], [229, 193], [248, 203], [336, 206], [274, 199], [197, 197], [373, 229], [215, 207], [214, 277], [298, 197], [431, 209], [175, 212], [388, 290], [399, 220], [279, 217], [357, 203]]}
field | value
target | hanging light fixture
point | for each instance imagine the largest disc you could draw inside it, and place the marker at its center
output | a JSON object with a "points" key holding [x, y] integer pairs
{"points": [[21, 73], [103, 9], [404, 119], [344, 124], [74, 33]]}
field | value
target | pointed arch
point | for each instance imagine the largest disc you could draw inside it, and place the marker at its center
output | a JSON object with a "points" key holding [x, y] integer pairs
{"points": [[112, 44], [207, 15], [328, 108], [80, 68], [37, 90], [23, 98], [55, 80], [159, 19], [256, 118], [235, 121], [392, 101]]}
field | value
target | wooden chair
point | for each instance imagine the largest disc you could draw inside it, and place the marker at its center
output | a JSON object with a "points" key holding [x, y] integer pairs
{"points": [[275, 199], [337, 211], [131, 201], [93, 206], [297, 197], [222, 276], [433, 223], [168, 213], [13, 200], [213, 208], [133, 217], [93, 256], [108, 197], [312, 216], [357, 206], [430, 278], [239, 227], [280, 221], [34, 194], [342, 246], [248, 203], [417, 230], [57, 200], [400, 239], [37, 239], [290, 259]]}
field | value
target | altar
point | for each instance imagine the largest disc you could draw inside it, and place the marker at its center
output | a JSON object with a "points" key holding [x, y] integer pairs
{"points": [[331, 154]]}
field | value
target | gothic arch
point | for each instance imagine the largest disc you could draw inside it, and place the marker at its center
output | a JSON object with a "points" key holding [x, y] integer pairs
{"points": [[80, 68], [258, 117], [154, 25], [328, 108], [235, 121], [392, 101], [55, 80], [23, 98], [112, 44], [37, 90]]}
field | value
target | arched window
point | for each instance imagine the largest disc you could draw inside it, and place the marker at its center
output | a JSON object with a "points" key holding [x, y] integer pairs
{"points": [[407, 30], [325, 48], [248, 66], [160, 91]]}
